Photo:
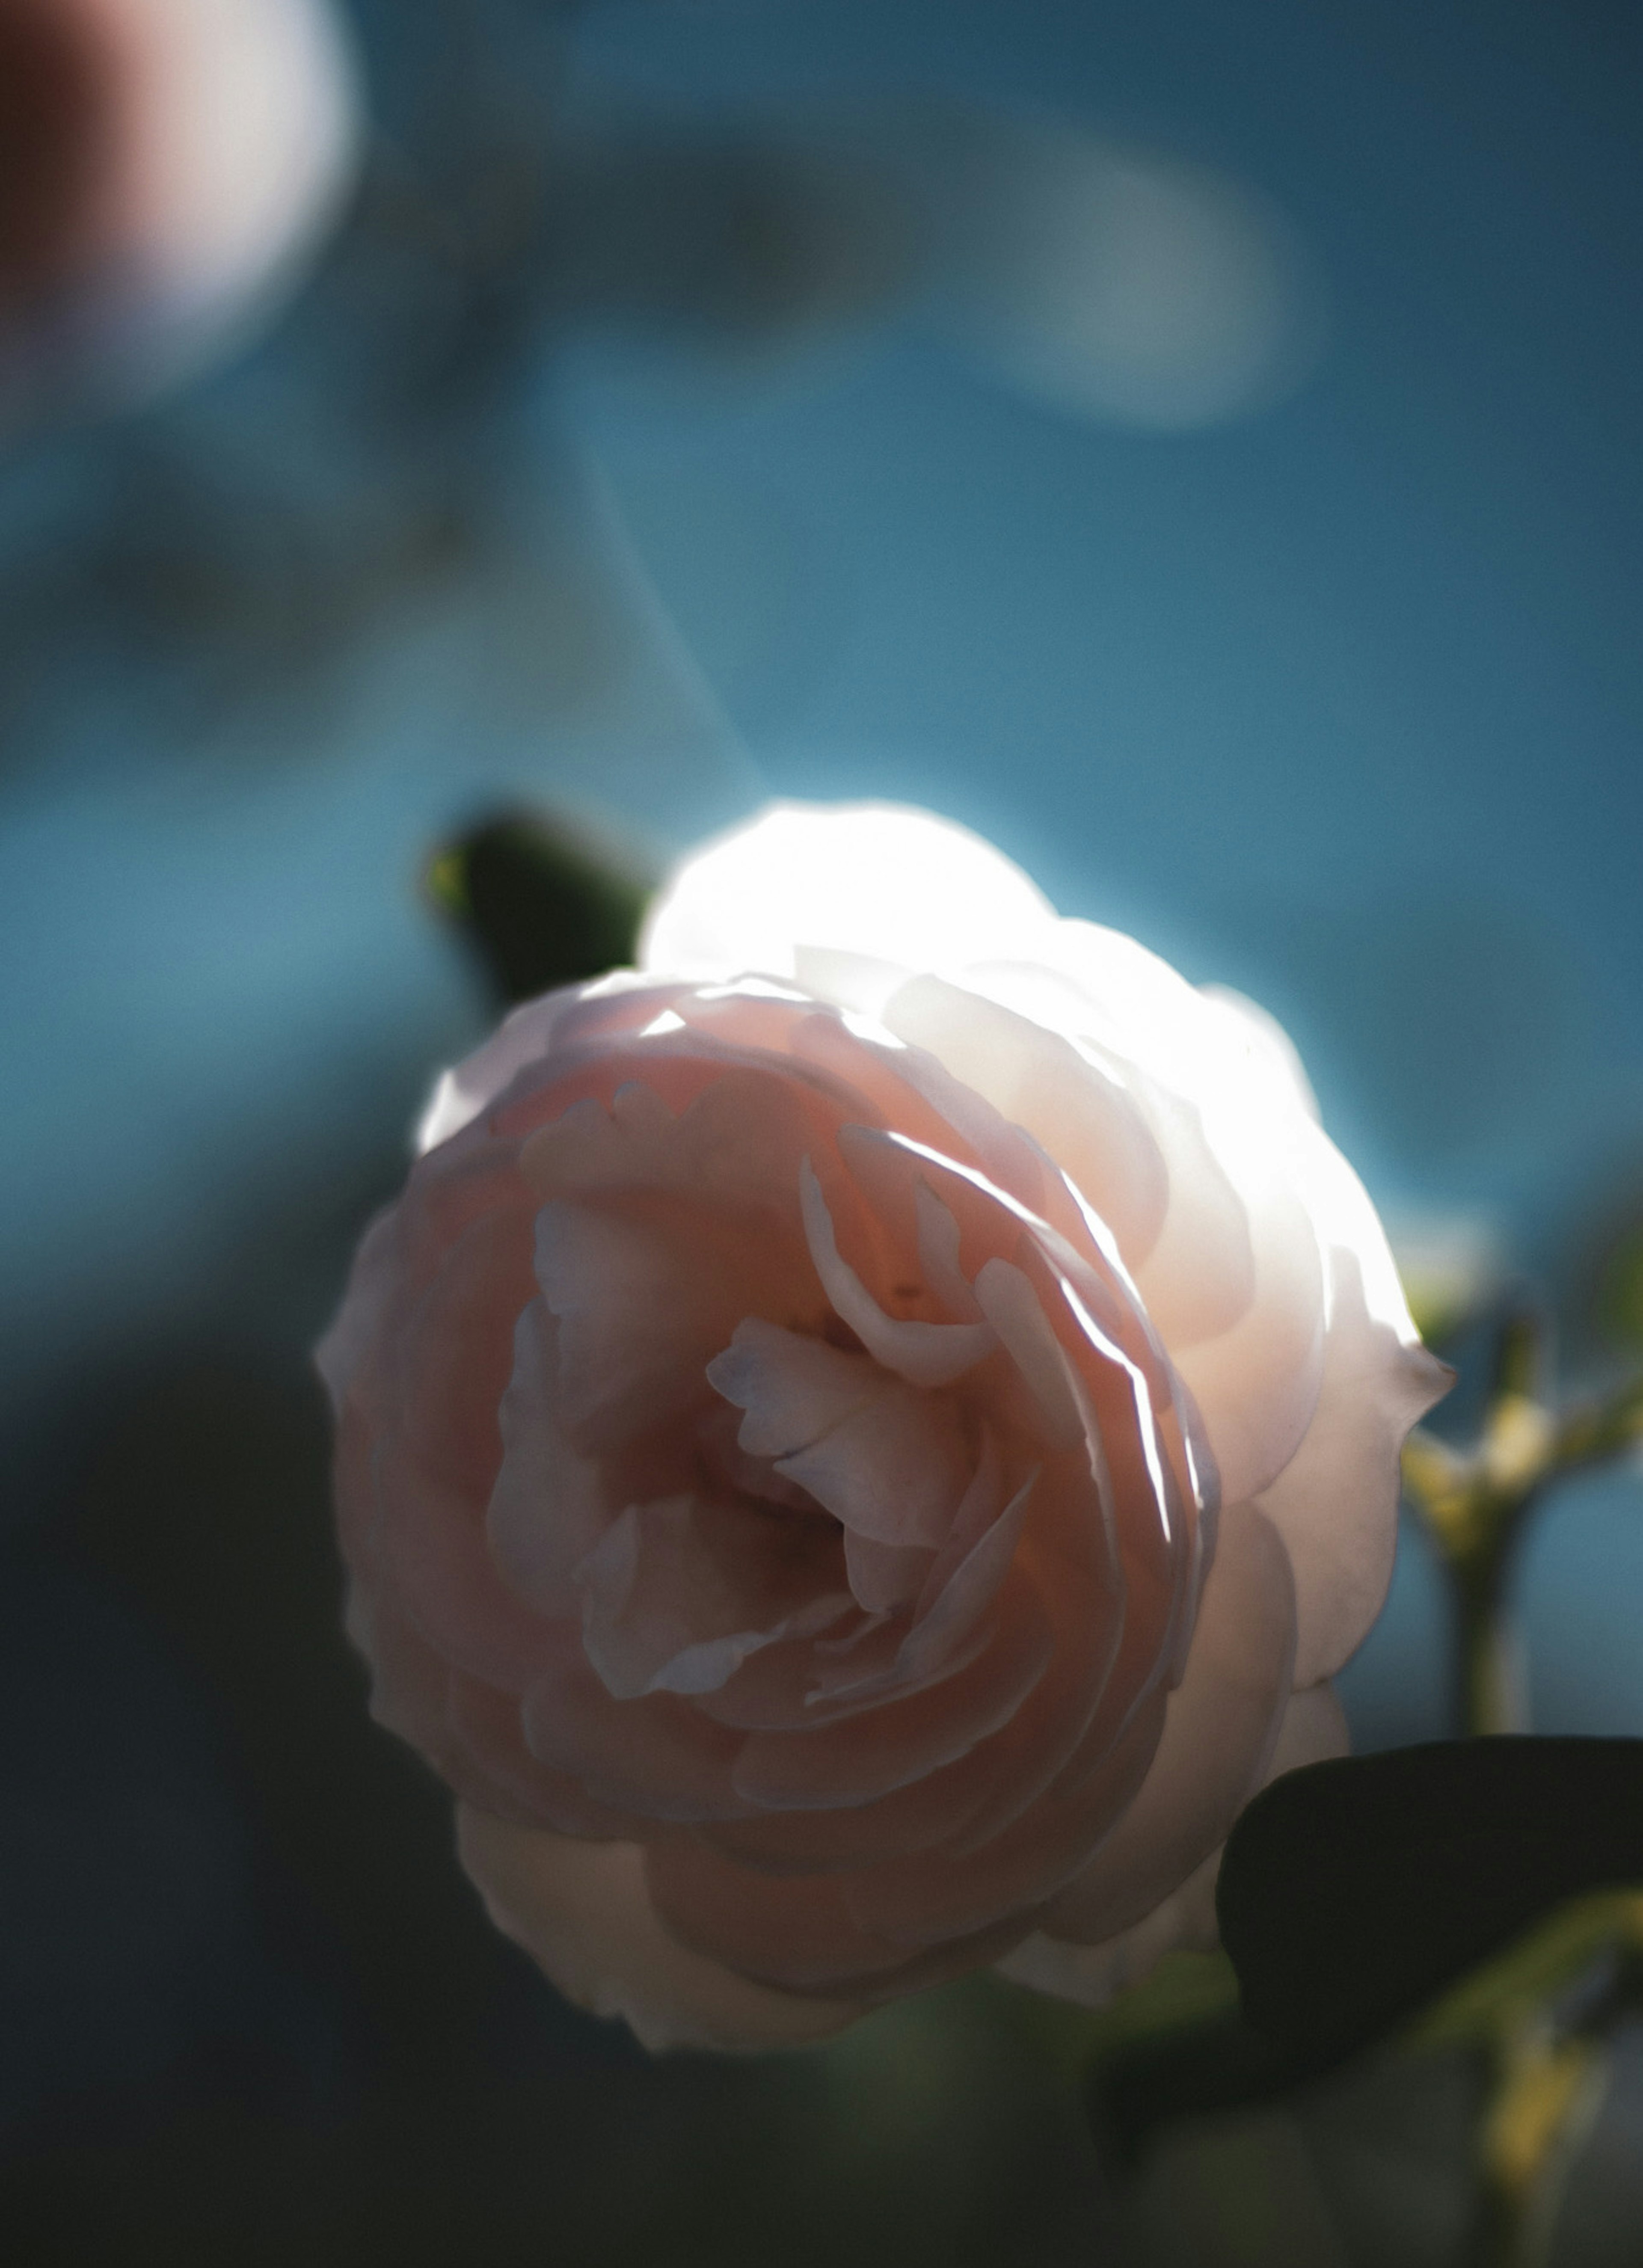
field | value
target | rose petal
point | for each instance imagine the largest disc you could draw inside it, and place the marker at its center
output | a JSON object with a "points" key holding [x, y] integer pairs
{"points": [[583, 1912], [372, 1284], [739, 1138], [1314, 1728], [1038, 1079], [643, 1301], [435, 1565], [1222, 1722], [796, 1931], [884, 1459], [796, 1688], [1092, 1974], [454, 1350], [939, 1243], [1197, 1253], [884, 1578], [1335, 1504], [459, 1094], [873, 878], [678, 1592], [894, 1470], [1257, 1385], [793, 1386], [925, 1899], [1234, 1283], [793, 1930], [1011, 1306], [656, 1758], [863, 1756], [548, 1507], [488, 1729], [925, 1354]]}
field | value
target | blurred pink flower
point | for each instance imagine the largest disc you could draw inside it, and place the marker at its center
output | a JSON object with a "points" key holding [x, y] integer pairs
{"points": [[166, 162], [861, 1442]]}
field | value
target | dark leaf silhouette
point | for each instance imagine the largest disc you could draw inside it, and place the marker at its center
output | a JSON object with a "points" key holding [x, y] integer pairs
{"points": [[1354, 1891]]}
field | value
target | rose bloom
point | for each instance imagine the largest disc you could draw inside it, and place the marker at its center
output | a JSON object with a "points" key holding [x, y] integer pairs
{"points": [[862, 1441], [163, 163]]}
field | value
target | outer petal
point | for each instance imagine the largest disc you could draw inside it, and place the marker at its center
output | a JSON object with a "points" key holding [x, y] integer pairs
{"points": [[346, 1347], [656, 1759], [1082, 1115], [1232, 1279], [1313, 1728], [583, 1912], [795, 1933], [1335, 1502], [1222, 1727], [1256, 1386], [873, 880], [1092, 1974], [522, 1038]]}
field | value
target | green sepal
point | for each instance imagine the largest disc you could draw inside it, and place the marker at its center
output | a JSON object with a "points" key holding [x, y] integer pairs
{"points": [[541, 901]]}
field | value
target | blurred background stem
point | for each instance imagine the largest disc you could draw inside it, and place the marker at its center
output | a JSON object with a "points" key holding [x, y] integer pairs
{"points": [[1491, 1688], [1548, 2088], [1476, 1505], [1547, 2082]]}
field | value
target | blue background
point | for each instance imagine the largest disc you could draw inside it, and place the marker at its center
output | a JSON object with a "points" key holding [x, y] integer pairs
{"points": [[1339, 701]]}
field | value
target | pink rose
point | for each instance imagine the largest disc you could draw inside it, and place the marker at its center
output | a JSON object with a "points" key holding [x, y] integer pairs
{"points": [[861, 1442], [165, 160]]}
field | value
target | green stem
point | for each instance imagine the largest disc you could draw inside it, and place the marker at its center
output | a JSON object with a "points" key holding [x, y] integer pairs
{"points": [[1487, 1659]]}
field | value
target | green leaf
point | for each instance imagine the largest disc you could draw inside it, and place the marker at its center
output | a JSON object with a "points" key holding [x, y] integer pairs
{"points": [[1354, 1892], [540, 900]]}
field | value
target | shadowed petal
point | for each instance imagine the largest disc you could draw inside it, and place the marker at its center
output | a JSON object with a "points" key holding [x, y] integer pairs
{"points": [[678, 1592], [583, 1912], [925, 1354]]}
